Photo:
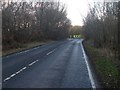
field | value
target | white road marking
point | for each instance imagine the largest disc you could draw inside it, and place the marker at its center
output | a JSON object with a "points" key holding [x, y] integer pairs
{"points": [[7, 79], [88, 68], [51, 52], [20, 52], [33, 63], [36, 48], [24, 68], [19, 71], [26, 51], [14, 74]]}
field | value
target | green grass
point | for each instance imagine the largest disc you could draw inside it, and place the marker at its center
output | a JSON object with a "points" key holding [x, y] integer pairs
{"points": [[109, 74]]}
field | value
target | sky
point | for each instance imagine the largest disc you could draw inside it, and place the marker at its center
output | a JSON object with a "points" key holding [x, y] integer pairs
{"points": [[76, 10]]}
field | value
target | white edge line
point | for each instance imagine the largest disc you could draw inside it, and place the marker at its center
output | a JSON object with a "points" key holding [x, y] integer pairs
{"points": [[88, 68], [17, 53], [36, 47]]}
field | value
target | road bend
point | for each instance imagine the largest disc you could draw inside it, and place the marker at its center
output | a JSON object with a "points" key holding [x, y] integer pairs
{"points": [[60, 64]]}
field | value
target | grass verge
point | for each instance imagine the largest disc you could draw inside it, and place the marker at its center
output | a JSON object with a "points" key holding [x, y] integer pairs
{"points": [[23, 47], [106, 69]]}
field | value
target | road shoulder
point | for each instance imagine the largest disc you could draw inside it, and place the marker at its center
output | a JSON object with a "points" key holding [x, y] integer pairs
{"points": [[92, 68], [25, 47]]}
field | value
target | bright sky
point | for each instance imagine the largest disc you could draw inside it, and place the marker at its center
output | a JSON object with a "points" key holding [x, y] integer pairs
{"points": [[76, 9]]}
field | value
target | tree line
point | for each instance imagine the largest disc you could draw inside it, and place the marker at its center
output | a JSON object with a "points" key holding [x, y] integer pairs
{"points": [[24, 22], [102, 27], [102, 30], [75, 30]]}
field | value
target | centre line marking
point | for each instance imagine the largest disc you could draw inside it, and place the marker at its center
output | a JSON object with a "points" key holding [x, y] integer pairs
{"points": [[33, 63], [24, 68], [7, 79], [19, 71], [14, 74], [51, 52]]}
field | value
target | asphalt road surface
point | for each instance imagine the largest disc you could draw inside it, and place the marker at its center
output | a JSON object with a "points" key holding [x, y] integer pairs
{"points": [[60, 64]]}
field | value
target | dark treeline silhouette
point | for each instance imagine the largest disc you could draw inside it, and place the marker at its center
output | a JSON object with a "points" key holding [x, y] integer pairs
{"points": [[75, 30], [101, 26], [24, 22]]}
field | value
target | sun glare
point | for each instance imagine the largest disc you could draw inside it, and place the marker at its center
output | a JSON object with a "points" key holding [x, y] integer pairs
{"points": [[76, 10]]}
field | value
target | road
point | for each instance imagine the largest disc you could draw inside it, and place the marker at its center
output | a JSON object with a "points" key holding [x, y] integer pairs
{"points": [[60, 64]]}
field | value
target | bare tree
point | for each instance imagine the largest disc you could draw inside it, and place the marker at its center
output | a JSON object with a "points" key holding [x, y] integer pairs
{"points": [[25, 22]]}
